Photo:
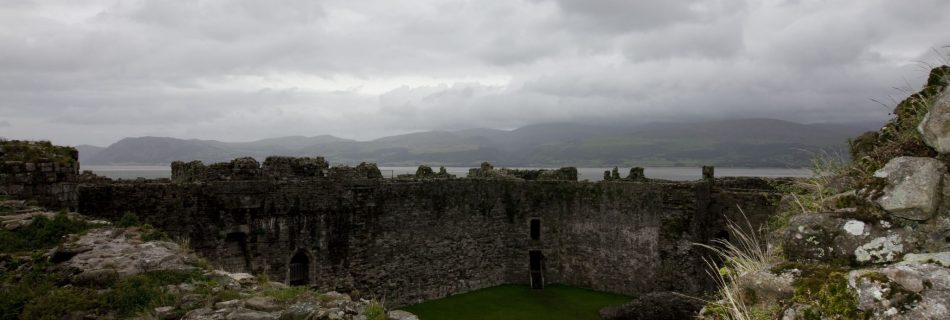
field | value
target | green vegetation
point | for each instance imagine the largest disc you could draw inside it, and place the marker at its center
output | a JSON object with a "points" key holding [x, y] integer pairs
{"points": [[144, 291], [149, 233], [285, 294], [749, 251], [42, 233], [375, 311], [33, 151], [825, 290], [60, 302], [31, 289], [515, 302]]}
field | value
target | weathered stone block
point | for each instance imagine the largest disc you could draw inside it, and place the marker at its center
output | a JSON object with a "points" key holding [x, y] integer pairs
{"points": [[831, 238], [935, 127], [912, 190]]}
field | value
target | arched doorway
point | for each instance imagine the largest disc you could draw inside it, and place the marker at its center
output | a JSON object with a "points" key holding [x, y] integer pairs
{"points": [[299, 273]]}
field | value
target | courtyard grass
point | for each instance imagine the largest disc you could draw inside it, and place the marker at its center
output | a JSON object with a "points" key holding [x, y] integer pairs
{"points": [[517, 302]]}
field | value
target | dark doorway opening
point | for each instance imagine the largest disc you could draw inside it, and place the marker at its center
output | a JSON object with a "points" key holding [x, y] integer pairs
{"points": [[535, 229], [299, 269], [536, 266], [237, 255]]}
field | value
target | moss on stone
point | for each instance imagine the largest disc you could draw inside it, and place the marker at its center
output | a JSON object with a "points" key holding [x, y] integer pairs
{"points": [[825, 289]]}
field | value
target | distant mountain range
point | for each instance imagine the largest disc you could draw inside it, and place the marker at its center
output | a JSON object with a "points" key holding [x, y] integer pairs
{"points": [[735, 143]]}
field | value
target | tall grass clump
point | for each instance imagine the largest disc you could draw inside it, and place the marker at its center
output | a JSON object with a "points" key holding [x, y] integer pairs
{"points": [[375, 311], [746, 251]]}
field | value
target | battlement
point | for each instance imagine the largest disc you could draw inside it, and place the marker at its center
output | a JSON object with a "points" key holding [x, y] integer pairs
{"points": [[486, 170], [273, 168]]}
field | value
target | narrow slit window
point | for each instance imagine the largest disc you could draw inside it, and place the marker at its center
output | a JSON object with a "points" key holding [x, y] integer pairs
{"points": [[535, 229]]}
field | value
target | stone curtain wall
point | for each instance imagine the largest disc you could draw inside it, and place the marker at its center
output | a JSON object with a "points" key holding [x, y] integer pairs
{"points": [[411, 241], [50, 183]]}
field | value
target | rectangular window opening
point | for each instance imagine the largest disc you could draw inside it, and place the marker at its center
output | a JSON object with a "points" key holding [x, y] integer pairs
{"points": [[535, 229]]}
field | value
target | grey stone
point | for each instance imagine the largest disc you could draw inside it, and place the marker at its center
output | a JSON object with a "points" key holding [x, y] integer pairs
{"points": [[227, 304], [935, 127], [400, 315], [165, 313], [941, 258], [830, 236], [262, 304], [299, 311], [911, 291], [245, 314], [912, 190], [768, 287], [122, 250], [198, 314]]}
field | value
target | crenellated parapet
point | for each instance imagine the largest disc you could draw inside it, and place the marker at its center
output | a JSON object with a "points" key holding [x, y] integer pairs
{"points": [[487, 171]]}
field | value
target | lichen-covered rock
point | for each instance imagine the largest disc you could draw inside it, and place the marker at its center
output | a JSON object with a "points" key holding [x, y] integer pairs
{"points": [[832, 237], [912, 190], [16, 221], [769, 288], [908, 290], [123, 251], [941, 258], [262, 304], [935, 127]]}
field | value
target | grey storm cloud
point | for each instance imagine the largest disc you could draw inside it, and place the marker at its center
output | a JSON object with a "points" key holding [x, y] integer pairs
{"points": [[98, 70]]}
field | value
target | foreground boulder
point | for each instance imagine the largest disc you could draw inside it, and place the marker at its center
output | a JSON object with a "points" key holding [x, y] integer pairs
{"points": [[913, 187], [829, 237], [655, 305], [935, 128], [121, 250], [907, 290]]}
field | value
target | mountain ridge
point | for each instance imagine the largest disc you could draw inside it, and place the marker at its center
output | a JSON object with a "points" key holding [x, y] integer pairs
{"points": [[735, 142]]}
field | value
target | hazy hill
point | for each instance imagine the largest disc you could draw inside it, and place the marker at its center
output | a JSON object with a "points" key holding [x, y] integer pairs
{"points": [[745, 142], [87, 151]]}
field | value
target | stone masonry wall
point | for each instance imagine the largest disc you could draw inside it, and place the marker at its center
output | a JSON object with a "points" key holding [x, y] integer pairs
{"points": [[50, 183], [411, 241]]}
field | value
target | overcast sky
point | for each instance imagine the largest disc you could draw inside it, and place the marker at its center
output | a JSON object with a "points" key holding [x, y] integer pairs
{"points": [[94, 72]]}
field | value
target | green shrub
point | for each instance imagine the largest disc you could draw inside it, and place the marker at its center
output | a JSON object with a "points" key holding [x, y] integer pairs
{"points": [[128, 219], [42, 233], [59, 303], [144, 292], [30, 280], [149, 233]]}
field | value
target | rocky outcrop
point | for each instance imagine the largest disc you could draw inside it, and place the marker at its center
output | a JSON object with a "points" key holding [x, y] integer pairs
{"points": [[907, 290], [913, 187], [831, 237], [122, 251], [935, 127]]}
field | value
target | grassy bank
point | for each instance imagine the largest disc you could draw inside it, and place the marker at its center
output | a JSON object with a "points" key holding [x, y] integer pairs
{"points": [[515, 302]]}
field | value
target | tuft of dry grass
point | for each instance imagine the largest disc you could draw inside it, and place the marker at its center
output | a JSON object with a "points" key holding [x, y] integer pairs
{"points": [[748, 250]]}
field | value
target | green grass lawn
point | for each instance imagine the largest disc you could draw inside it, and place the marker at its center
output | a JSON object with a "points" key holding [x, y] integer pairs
{"points": [[516, 302]]}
